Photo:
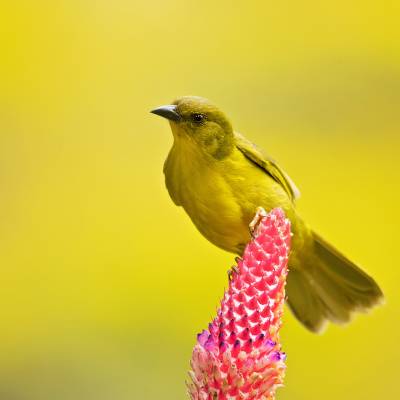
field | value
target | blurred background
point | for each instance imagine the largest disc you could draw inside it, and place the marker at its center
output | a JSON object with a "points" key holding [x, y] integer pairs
{"points": [[104, 282]]}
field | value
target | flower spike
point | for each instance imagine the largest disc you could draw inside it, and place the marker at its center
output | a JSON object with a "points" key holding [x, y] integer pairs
{"points": [[239, 356]]}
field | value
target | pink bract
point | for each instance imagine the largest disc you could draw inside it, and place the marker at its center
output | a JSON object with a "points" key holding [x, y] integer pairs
{"points": [[239, 356]]}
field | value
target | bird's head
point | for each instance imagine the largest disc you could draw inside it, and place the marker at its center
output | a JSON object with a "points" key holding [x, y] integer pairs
{"points": [[197, 120]]}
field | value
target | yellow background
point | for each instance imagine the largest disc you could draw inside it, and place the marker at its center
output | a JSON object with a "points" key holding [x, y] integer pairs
{"points": [[104, 282]]}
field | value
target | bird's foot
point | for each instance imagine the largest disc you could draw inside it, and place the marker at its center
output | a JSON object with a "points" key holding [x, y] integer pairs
{"points": [[232, 272], [260, 214], [235, 269]]}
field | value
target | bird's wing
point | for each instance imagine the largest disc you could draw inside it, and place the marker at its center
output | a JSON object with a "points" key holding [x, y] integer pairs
{"points": [[267, 164]]}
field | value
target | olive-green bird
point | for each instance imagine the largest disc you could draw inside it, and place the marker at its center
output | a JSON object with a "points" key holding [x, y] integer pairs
{"points": [[220, 178]]}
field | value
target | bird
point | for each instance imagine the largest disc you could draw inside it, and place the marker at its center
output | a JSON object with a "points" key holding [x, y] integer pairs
{"points": [[221, 178]]}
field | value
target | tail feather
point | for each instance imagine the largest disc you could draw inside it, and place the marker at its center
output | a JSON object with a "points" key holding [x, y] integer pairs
{"points": [[304, 302], [329, 287], [361, 289]]}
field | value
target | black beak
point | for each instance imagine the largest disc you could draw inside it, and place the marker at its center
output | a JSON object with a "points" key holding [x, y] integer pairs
{"points": [[168, 112]]}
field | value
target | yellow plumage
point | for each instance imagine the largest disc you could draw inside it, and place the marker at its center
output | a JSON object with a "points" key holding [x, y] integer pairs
{"points": [[220, 178]]}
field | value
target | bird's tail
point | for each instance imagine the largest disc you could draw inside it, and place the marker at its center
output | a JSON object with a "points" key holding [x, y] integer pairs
{"points": [[329, 287]]}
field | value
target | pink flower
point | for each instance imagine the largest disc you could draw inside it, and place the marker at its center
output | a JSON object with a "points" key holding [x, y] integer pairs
{"points": [[239, 355]]}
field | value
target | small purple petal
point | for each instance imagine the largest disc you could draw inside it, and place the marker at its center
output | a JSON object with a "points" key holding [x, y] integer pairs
{"points": [[209, 344], [277, 356], [222, 347], [202, 337]]}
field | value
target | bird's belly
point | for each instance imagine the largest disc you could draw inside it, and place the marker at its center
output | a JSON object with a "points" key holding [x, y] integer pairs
{"points": [[214, 209]]}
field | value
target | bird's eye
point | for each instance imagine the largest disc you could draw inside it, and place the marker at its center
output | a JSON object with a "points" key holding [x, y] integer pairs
{"points": [[198, 118]]}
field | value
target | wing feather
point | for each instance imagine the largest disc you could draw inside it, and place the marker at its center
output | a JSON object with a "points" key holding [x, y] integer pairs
{"points": [[267, 164]]}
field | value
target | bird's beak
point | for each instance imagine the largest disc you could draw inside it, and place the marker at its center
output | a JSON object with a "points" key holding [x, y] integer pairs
{"points": [[168, 112]]}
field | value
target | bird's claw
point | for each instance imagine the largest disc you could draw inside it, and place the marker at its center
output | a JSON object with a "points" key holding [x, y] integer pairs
{"points": [[260, 214], [232, 272]]}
